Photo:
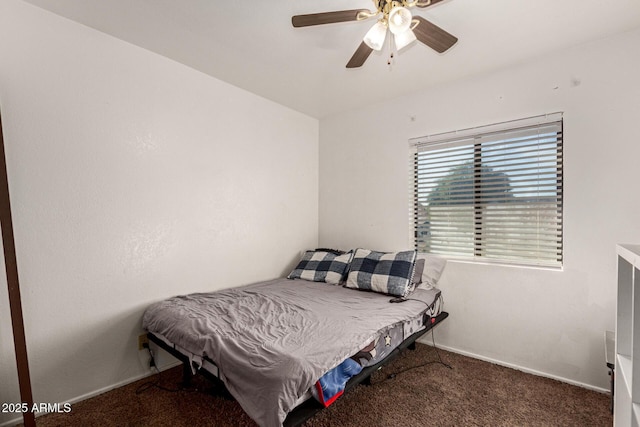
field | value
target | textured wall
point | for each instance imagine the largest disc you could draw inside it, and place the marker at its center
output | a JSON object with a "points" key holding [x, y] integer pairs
{"points": [[133, 178], [546, 321]]}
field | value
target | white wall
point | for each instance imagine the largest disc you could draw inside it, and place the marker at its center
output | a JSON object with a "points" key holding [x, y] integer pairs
{"points": [[540, 320], [133, 178]]}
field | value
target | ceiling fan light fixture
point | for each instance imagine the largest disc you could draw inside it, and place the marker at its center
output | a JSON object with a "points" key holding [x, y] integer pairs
{"points": [[376, 35], [403, 40], [399, 19], [392, 15]]}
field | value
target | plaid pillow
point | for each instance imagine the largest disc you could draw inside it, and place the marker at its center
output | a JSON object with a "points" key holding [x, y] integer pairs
{"points": [[388, 273], [322, 266]]}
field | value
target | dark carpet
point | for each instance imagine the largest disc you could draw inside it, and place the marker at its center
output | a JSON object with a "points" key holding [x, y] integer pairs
{"points": [[471, 393]]}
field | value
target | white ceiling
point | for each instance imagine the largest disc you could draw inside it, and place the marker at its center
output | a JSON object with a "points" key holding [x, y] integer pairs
{"points": [[252, 44]]}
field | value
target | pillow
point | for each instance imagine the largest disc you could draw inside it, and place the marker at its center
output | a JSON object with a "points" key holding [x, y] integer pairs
{"points": [[433, 268], [387, 273], [417, 272], [322, 266]]}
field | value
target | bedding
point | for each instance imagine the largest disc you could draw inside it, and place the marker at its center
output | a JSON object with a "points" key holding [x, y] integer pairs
{"points": [[432, 270], [272, 341], [322, 265], [386, 272], [418, 269]]}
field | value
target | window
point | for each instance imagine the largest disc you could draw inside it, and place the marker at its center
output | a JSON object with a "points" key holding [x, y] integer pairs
{"points": [[492, 193]]}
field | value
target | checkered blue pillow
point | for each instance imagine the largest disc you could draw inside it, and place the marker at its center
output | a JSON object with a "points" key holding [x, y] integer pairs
{"points": [[388, 273], [322, 266]]}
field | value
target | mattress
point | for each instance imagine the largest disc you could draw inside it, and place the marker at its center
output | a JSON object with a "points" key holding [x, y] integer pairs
{"points": [[381, 347], [269, 342]]}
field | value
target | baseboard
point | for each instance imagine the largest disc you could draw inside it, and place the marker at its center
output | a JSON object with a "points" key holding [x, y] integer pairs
{"points": [[122, 383], [18, 420], [94, 393], [520, 368]]}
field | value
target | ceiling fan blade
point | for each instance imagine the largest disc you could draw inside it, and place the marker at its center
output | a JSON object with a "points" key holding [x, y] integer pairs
{"points": [[433, 36], [326, 17], [361, 55], [425, 3]]}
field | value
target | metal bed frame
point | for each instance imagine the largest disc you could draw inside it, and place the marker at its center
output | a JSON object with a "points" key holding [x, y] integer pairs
{"points": [[311, 406]]}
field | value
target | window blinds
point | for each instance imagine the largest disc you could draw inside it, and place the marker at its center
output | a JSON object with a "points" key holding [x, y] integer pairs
{"points": [[492, 193]]}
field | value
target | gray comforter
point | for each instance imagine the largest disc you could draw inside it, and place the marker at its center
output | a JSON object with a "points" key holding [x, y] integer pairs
{"points": [[273, 340]]}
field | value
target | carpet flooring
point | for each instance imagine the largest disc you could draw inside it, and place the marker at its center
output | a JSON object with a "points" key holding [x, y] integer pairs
{"points": [[403, 393]]}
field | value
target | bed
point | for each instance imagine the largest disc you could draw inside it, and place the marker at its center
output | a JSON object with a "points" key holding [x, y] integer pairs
{"points": [[273, 343]]}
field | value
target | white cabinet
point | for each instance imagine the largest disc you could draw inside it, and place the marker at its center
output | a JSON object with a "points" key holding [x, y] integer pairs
{"points": [[627, 381]]}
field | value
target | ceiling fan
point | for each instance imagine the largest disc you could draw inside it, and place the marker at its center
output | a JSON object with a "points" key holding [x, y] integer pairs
{"points": [[395, 17]]}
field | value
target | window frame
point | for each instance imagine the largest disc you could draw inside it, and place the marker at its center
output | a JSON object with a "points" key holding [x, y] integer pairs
{"points": [[475, 139]]}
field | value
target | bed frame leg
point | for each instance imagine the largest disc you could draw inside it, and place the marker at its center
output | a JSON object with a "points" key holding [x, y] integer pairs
{"points": [[186, 375], [366, 381], [412, 346]]}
